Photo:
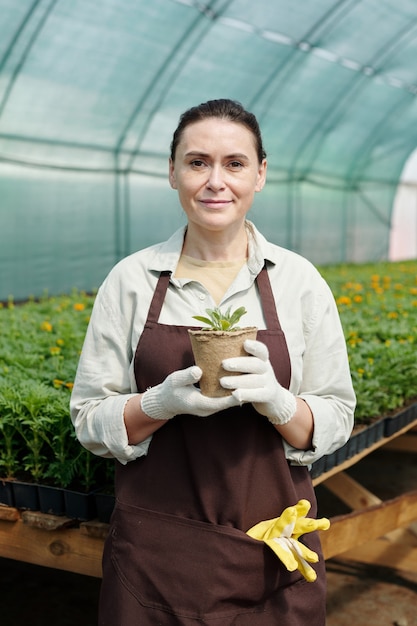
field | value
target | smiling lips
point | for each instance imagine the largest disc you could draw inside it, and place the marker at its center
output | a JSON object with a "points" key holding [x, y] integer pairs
{"points": [[215, 203]]}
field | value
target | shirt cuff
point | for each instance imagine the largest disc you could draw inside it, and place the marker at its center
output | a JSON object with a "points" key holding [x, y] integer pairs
{"points": [[110, 429], [332, 428]]}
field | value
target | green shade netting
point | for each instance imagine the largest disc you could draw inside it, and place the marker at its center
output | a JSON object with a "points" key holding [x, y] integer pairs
{"points": [[91, 91]]}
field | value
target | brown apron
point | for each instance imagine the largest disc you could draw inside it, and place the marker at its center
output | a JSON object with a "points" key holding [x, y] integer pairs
{"points": [[177, 553]]}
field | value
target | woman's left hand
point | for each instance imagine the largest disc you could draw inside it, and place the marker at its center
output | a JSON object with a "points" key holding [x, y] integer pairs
{"points": [[256, 383]]}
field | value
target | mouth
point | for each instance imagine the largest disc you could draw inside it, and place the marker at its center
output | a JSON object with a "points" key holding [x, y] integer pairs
{"points": [[215, 203]]}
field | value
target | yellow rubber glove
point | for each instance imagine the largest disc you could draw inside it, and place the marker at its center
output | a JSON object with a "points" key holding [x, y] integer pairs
{"points": [[281, 535]]}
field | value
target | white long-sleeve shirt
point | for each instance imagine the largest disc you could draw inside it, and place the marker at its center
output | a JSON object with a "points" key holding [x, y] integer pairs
{"points": [[307, 311]]}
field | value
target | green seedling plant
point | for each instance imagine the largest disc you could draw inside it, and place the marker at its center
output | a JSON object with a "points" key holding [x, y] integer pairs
{"points": [[87, 470], [33, 426], [63, 446], [223, 321], [9, 436]]}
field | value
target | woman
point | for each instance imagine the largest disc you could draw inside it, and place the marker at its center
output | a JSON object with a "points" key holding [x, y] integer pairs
{"points": [[194, 474]]}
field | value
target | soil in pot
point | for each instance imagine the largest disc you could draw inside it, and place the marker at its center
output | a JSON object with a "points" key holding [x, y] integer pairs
{"points": [[210, 348]]}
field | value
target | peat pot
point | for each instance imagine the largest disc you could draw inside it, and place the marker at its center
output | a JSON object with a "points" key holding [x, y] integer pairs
{"points": [[210, 348]]}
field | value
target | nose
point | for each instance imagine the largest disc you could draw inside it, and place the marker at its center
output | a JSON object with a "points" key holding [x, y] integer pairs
{"points": [[215, 180]]}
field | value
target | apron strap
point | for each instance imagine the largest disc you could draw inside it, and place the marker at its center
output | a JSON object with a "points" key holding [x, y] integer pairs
{"points": [[280, 358], [158, 297], [268, 300]]}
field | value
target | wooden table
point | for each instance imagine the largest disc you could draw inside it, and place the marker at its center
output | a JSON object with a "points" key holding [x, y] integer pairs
{"points": [[378, 532], [375, 531]]}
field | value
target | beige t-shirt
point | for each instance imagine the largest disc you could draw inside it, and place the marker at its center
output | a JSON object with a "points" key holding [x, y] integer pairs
{"points": [[216, 276]]}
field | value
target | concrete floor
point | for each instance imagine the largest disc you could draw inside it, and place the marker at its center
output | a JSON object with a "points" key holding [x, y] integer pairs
{"points": [[363, 595]]}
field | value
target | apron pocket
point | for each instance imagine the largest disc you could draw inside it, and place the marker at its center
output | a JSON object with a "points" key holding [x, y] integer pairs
{"points": [[192, 568]]}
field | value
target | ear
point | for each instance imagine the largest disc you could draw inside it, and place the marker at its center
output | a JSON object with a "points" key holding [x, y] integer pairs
{"points": [[172, 178], [261, 177]]}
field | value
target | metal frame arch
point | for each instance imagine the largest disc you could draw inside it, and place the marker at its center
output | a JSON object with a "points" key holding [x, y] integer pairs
{"points": [[202, 23], [24, 23], [337, 109], [292, 61]]}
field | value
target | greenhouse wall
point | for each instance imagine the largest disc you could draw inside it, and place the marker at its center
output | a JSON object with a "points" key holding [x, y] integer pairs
{"points": [[62, 230], [90, 93]]}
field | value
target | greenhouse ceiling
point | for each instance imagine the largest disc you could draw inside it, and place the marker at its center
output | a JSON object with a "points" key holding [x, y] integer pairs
{"points": [[97, 86]]}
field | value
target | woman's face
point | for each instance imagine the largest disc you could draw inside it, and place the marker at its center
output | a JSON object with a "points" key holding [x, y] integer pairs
{"points": [[216, 173]]}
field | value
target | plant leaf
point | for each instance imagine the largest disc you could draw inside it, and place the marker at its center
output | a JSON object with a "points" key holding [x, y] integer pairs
{"points": [[203, 319]]}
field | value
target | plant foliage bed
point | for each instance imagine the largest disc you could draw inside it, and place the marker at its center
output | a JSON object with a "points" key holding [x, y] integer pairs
{"points": [[40, 347], [378, 309], [41, 343]]}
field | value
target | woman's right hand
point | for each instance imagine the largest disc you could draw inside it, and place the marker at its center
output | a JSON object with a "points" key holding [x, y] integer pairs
{"points": [[177, 395]]}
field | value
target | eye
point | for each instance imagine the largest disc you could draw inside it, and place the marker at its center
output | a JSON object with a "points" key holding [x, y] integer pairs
{"points": [[197, 163], [235, 165]]}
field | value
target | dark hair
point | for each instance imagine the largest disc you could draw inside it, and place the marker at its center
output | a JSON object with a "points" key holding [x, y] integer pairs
{"points": [[223, 109]]}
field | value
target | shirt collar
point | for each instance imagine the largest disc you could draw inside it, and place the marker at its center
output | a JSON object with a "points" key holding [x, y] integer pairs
{"points": [[165, 255]]}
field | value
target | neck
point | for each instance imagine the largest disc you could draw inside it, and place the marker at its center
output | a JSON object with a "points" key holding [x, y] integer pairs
{"points": [[216, 246]]}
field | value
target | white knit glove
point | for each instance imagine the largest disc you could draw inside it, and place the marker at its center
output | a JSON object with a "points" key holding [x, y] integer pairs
{"points": [[176, 395], [257, 384]]}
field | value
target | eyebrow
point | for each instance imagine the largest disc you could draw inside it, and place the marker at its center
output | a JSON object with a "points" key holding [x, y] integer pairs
{"points": [[237, 155]]}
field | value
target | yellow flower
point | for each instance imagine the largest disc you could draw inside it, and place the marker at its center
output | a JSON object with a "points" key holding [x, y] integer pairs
{"points": [[60, 342], [344, 300], [357, 298], [47, 326], [69, 385], [392, 315], [79, 306], [57, 383], [54, 350]]}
